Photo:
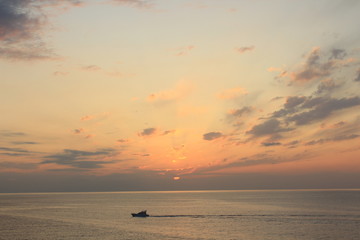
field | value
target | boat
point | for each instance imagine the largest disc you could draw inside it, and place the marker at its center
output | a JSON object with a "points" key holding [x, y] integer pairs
{"points": [[140, 214]]}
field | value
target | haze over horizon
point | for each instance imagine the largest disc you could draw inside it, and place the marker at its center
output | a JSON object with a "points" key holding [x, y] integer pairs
{"points": [[112, 95]]}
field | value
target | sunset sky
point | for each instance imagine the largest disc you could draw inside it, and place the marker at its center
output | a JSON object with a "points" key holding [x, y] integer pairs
{"points": [[100, 95]]}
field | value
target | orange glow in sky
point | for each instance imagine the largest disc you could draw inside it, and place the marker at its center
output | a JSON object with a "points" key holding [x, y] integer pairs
{"points": [[155, 89]]}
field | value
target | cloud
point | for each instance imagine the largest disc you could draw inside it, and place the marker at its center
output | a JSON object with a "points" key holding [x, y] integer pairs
{"points": [[148, 132], [303, 110], [24, 143], [168, 132], [155, 131], [240, 112], [79, 131], [86, 118], [345, 137], [253, 160], [333, 139], [245, 49], [294, 101], [6, 133], [15, 150], [317, 66], [184, 50], [322, 108], [270, 144], [80, 159], [290, 106], [232, 93], [9, 151], [143, 4], [326, 86], [339, 124], [258, 159], [27, 52], [21, 25], [338, 54], [269, 127], [281, 72], [313, 68], [212, 136], [357, 78], [292, 144], [14, 165], [18, 20], [91, 68], [276, 99], [122, 140]]}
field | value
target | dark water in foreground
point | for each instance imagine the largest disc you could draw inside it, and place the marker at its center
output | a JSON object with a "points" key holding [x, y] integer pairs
{"points": [[248, 215]]}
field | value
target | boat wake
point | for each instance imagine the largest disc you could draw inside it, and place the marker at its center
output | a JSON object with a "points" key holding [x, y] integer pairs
{"points": [[256, 215], [196, 216]]}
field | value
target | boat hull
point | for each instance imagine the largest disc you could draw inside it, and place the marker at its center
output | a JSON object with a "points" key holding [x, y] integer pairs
{"points": [[139, 215]]}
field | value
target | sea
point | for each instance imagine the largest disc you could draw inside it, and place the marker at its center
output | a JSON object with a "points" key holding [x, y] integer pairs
{"points": [[248, 215]]}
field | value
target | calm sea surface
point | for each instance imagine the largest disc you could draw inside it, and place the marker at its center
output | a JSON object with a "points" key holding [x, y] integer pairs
{"points": [[248, 215]]}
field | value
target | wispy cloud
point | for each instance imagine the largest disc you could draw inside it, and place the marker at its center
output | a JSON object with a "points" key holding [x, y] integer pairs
{"points": [[6, 133], [270, 144], [16, 150], [122, 141], [245, 49], [91, 68], [29, 51], [240, 112], [258, 159], [327, 86], [153, 131], [78, 130], [333, 139], [81, 159], [357, 78], [142, 4], [212, 136], [24, 143], [184, 50], [86, 118], [9, 151], [15, 165]]}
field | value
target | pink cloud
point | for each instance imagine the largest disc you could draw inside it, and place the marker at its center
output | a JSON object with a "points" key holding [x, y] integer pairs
{"points": [[242, 50], [86, 118], [142, 4], [184, 50], [91, 68]]}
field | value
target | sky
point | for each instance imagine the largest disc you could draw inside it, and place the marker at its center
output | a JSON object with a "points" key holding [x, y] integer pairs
{"points": [[111, 95]]}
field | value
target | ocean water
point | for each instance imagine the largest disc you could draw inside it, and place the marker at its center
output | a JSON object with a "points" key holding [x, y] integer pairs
{"points": [[248, 215]]}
